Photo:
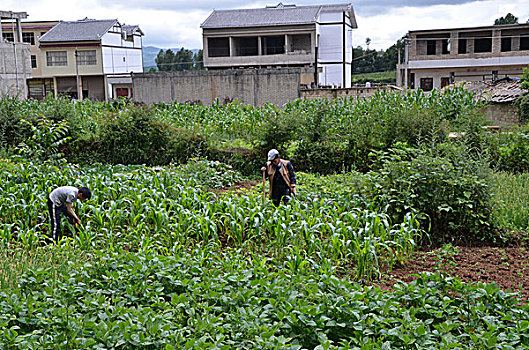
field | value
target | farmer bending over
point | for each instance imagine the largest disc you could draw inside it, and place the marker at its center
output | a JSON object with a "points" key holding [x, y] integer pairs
{"points": [[282, 178], [60, 201]]}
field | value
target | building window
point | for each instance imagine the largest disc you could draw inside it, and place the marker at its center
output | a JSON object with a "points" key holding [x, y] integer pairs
{"points": [[28, 38], [273, 45], [8, 37], [245, 46], [56, 58], [430, 47], [86, 57], [218, 47], [412, 80], [33, 61], [300, 43], [445, 46], [506, 44], [483, 45], [445, 82], [426, 84], [524, 42], [462, 49]]}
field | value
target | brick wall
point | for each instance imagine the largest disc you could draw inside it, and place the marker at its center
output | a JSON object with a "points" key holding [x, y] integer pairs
{"points": [[252, 86], [503, 114]]}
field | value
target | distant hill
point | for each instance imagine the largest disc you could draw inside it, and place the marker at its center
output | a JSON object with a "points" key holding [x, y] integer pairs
{"points": [[150, 53]]}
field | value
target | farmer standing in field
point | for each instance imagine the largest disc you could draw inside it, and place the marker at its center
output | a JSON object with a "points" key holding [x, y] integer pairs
{"points": [[60, 201], [281, 176]]}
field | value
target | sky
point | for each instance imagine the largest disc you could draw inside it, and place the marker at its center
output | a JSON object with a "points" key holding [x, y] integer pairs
{"points": [[176, 23]]}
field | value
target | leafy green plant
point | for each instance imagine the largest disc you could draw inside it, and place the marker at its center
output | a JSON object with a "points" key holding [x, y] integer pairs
{"points": [[46, 141], [451, 192]]}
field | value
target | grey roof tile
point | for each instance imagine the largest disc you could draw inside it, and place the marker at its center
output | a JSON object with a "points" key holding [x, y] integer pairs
{"points": [[83, 30], [130, 28], [280, 15]]}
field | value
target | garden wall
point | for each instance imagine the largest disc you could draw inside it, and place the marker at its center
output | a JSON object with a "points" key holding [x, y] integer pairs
{"points": [[355, 92], [502, 113], [252, 86]]}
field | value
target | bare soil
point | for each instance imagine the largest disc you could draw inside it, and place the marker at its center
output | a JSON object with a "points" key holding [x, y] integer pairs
{"points": [[507, 267]]}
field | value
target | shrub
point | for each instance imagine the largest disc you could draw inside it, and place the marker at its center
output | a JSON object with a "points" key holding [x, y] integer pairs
{"points": [[523, 108], [510, 151], [46, 141], [450, 189]]}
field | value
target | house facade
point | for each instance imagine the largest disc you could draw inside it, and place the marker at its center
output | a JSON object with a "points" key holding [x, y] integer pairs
{"points": [[282, 36], [436, 58], [83, 59], [15, 64]]}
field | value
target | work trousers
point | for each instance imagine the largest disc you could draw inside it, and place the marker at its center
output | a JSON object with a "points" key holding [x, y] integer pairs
{"points": [[55, 219]]}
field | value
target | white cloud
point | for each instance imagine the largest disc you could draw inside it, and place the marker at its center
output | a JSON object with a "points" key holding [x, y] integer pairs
{"points": [[176, 23]]}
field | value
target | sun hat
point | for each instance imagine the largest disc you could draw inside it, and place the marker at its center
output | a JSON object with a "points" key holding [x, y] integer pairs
{"points": [[273, 154]]}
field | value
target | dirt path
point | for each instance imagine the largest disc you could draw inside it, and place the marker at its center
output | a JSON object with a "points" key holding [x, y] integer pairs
{"points": [[507, 267]]}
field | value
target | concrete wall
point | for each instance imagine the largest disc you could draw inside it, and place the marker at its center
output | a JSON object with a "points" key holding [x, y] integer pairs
{"points": [[14, 72], [252, 86], [354, 92]]}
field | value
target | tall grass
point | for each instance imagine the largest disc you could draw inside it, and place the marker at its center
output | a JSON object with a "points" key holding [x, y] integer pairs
{"points": [[511, 208], [17, 260]]}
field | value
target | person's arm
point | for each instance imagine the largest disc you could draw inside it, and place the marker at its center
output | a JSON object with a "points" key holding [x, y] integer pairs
{"points": [[69, 208], [263, 169], [292, 176]]}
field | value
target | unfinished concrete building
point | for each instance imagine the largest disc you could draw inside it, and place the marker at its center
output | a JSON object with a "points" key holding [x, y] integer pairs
{"points": [[319, 37], [436, 58], [15, 61]]}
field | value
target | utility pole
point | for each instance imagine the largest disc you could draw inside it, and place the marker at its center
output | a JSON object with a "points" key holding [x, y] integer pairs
{"points": [[79, 81]]}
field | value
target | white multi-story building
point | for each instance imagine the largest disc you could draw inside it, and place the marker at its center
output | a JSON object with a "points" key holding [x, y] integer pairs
{"points": [[85, 59], [283, 36], [436, 58]]}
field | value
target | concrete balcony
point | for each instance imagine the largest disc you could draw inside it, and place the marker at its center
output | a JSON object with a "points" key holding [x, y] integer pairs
{"points": [[262, 60]]}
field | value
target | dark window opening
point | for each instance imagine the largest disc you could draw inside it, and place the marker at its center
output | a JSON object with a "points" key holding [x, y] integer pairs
{"points": [[430, 47], [245, 46], [445, 43], [33, 61], [462, 49], [8, 37], [483, 45], [445, 82], [412, 80], [506, 44], [426, 84], [273, 45], [524, 43], [218, 47], [28, 38]]}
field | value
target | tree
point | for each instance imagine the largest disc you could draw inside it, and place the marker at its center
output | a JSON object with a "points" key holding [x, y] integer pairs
{"points": [[160, 60], [198, 60], [183, 60], [368, 41], [508, 19]]}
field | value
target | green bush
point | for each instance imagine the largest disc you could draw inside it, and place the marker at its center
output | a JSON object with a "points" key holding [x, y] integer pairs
{"points": [[136, 136], [450, 189], [510, 151], [523, 109]]}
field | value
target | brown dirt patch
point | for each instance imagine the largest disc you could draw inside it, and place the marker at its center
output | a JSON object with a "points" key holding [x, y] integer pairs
{"points": [[507, 267]]}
